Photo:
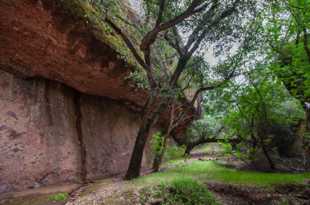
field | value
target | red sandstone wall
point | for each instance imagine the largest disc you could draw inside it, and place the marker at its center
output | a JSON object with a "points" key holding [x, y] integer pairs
{"points": [[39, 143], [38, 39], [109, 130]]}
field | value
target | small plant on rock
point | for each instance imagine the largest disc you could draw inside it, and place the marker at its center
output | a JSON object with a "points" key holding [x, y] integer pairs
{"points": [[59, 197]]}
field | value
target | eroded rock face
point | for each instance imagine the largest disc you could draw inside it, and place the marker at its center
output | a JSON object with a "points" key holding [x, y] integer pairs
{"points": [[39, 40], [46, 128], [109, 130]]}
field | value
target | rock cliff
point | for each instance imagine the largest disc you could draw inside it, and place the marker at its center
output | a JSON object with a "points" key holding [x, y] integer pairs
{"points": [[50, 134], [67, 112]]}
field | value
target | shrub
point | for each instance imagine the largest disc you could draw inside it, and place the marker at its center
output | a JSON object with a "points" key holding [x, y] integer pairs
{"points": [[181, 191], [59, 197], [174, 152], [157, 143], [227, 148]]}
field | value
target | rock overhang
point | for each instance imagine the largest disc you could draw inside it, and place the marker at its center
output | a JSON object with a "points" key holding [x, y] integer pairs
{"points": [[67, 41]]}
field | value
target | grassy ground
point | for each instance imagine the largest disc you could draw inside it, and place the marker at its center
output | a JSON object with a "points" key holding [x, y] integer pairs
{"points": [[118, 192], [212, 171], [210, 148]]}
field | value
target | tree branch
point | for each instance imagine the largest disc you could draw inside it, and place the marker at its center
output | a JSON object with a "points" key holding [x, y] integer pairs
{"points": [[224, 15], [195, 7], [194, 35], [161, 12], [183, 61], [306, 44], [175, 41], [212, 87], [145, 64], [128, 42]]}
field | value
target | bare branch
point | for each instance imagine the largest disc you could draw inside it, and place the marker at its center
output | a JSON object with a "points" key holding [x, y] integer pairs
{"points": [[201, 25], [224, 15], [213, 86], [161, 12], [183, 61], [195, 7], [145, 64], [128, 42], [173, 44]]}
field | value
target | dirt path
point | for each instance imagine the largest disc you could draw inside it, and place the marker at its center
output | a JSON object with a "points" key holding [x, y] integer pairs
{"points": [[108, 192], [68, 188], [37, 196], [96, 193]]}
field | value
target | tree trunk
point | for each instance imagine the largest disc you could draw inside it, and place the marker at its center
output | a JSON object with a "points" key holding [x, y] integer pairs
{"points": [[137, 154], [188, 150], [159, 157], [150, 117], [307, 110], [306, 44], [265, 151], [260, 136]]}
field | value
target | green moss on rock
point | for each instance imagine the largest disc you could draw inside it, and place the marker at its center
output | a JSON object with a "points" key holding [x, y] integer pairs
{"points": [[94, 16]]}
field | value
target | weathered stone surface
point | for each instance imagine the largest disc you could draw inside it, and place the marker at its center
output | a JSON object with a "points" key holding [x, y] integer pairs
{"points": [[38, 143], [39, 136], [109, 130], [38, 40]]}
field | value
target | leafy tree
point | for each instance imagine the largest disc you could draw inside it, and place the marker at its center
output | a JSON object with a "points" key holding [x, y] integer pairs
{"points": [[287, 33], [263, 115], [187, 27]]}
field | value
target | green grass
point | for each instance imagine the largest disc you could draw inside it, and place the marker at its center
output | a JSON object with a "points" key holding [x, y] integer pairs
{"points": [[205, 171], [56, 199], [185, 191], [205, 148]]}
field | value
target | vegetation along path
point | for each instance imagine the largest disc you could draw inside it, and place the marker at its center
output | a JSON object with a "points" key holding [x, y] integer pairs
{"points": [[227, 186]]}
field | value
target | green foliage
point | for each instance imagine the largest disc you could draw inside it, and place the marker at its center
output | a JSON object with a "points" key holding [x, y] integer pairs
{"points": [[186, 191], [263, 110], [264, 99], [227, 148], [59, 197], [294, 70], [174, 152], [139, 78], [286, 27], [182, 191], [210, 170], [157, 142]]}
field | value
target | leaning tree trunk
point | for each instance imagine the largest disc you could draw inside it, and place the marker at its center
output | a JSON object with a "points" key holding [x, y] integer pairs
{"points": [[152, 112], [137, 154]]}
